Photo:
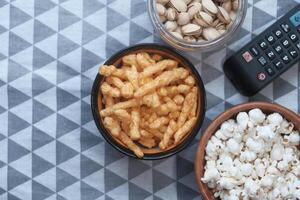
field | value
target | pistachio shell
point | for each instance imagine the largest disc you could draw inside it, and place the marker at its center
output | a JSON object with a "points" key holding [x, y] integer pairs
{"points": [[210, 7], [191, 29], [210, 33], [161, 10], [179, 5], [194, 9], [183, 18], [204, 19], [171, 14], [177, 35], [223, 15], [171, 25]]}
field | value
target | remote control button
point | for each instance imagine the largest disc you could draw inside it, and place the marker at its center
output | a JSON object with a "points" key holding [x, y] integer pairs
{"points": [[293, 37], [298, 45], [286, 59], [261, 76], [271, 55], [270, 71], [270, 38], [285, 27], [247, 56], [262, 61], [293, 53], [295, 19], [278, 64], [254, 51], [263, 45], [278, 33], [286, 43], [278, 49]]}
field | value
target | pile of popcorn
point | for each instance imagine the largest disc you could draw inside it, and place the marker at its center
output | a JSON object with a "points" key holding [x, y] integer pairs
{"points": [[255, 156]]}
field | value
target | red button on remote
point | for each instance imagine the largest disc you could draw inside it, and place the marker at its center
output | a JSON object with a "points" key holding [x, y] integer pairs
{"points": [[261, 76], [247, 56]]}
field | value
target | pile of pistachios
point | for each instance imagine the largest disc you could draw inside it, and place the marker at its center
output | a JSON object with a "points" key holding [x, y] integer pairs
{"points": [[197, 20]]}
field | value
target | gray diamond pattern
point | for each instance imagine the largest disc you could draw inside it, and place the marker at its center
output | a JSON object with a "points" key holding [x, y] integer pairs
{"points": [[50, 147]]}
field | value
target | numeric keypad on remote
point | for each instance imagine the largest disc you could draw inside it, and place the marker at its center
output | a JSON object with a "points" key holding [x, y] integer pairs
{"points": [[270, 54], [277, 47]]}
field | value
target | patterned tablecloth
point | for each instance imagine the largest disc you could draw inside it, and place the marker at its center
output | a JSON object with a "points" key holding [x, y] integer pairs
{"points": [[50, 51]]}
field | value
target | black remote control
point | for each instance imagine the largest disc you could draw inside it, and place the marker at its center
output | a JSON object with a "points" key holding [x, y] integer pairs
{"points": [[267, 56]]}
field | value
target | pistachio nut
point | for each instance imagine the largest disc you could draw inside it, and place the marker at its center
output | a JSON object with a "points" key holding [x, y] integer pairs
{"points": [[171, 26], [187, 1], [232, 15], [210, 33], [161, 10], [179, 5], [178, 30], [222, 31], [227, 6], [171, 14], [200, 39], [222, 1], [163, 2], [229, 25], [203, 19], [197, 20], [191, 29], [215, 23], [162, 18], [223, 15], [183, 18], [220, 26], [190, 38], [235, 4], [210, 7], [177, 35], [194, 9], [195, 1]]}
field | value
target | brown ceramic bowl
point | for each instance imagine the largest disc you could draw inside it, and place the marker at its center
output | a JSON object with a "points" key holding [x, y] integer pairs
{"points": [[97, 105], [267, 108]]}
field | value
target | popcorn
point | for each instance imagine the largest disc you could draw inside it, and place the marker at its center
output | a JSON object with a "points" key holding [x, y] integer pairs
{"points": [[233, 146], [275, 119], [242, 119], [265, 132], [254, 157], [277, 152], [257, 116]]}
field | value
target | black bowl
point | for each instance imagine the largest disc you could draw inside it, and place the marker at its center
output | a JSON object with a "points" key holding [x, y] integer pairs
{"points": [[154, 48]]}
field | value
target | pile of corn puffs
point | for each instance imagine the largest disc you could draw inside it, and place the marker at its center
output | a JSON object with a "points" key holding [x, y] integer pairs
{"points": [[149, 102]]}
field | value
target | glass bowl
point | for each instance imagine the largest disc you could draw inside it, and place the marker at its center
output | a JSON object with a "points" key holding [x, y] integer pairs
{"points": [[194, 46]]}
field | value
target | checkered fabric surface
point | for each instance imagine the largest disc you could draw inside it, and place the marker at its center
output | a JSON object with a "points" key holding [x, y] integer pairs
{"points": [[50, 51]]}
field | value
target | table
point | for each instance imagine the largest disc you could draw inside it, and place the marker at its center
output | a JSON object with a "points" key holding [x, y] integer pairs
{"points": [[50, 51]]}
